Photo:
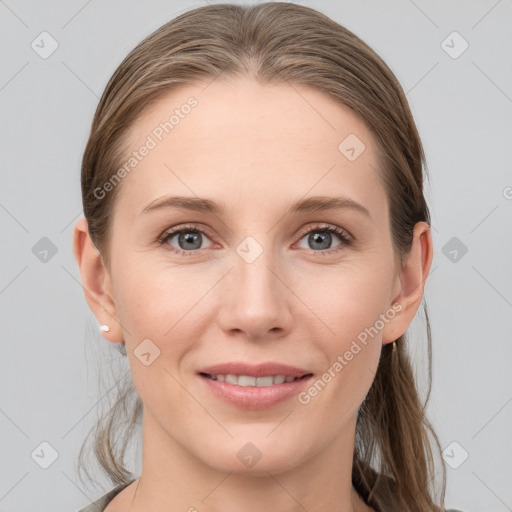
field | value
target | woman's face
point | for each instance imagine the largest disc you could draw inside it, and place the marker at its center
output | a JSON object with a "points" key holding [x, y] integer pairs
{"points": [[255, 281]]}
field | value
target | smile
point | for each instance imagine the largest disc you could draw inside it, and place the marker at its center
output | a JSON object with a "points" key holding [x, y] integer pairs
{"points": [[247, 380], [250, 392]]}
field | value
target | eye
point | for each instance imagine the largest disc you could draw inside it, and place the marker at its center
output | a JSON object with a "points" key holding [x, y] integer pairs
{"points": [[188, 238], [320, 238]]}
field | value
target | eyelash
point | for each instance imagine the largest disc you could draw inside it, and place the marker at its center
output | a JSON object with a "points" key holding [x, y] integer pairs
{"points": [[345, 238]]}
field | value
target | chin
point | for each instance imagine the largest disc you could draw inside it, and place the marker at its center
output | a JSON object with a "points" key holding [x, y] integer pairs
{"points": [[257, 456]]}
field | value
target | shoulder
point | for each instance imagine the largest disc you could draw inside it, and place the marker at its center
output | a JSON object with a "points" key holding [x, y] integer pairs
{"points": [[100, 504]]}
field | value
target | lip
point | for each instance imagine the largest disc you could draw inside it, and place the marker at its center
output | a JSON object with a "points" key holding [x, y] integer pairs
{"points": [[259, 370], [255, 397]]}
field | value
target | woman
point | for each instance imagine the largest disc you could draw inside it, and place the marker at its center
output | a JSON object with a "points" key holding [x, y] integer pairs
{"points": [[268, 358]]}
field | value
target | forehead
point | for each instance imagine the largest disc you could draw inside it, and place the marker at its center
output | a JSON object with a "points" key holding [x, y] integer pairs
{"points": [[245, 142]]}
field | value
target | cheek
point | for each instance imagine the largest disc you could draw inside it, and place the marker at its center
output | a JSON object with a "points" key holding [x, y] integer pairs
{"points": [[157, 306], [349, 301], [350, 309], [153, 302], [351, 346]]}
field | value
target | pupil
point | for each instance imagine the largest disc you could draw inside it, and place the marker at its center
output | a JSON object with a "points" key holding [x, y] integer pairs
{"points": [[190, 238], [319, 237]]}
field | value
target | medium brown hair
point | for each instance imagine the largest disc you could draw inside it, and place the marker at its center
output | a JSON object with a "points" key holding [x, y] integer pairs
{"points": [[272, 43]]}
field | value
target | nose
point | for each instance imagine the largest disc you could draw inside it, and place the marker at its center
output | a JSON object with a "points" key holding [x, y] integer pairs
{"points": [[256, 298]]}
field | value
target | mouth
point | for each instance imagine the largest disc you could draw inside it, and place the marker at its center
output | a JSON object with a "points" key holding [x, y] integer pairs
{"points": [[248, 386], [252, 381], [254, 387]]}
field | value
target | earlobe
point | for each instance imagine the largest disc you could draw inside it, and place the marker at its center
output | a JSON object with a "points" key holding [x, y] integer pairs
{"points": [[95, 281], [412, 278]]}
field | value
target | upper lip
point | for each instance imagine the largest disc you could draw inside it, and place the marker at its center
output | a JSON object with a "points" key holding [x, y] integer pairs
{"points": [[259, 370]]}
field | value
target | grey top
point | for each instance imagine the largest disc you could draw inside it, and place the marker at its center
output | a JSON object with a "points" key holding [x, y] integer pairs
{"points": [[100, 504]]}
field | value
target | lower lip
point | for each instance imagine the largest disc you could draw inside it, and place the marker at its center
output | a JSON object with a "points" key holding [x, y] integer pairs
{"points": [[255, 397]]}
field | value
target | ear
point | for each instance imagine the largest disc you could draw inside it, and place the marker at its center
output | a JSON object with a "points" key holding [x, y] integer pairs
{"points": [[96, 281], [410, 283]]}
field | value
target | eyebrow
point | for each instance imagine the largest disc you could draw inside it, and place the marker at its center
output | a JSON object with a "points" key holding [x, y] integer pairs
{"points": [[310, 204]]}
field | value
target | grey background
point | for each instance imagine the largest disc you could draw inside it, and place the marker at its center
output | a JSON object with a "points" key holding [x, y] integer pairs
{"points": [[463, 109]]}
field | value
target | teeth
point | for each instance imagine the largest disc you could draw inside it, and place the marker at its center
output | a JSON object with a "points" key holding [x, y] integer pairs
{"points": [[247, 380], [264, 381], [231, 379]]}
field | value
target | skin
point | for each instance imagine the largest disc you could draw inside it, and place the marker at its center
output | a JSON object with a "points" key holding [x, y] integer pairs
{"points": [[256, 149]]}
